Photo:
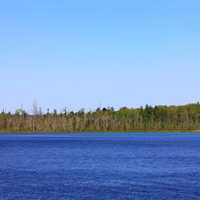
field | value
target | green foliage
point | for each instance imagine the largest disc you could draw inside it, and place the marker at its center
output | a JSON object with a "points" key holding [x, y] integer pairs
{"points": [[159, 118]]}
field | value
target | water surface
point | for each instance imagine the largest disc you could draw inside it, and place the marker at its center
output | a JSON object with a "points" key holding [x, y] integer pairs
{"points": [[100, 166]]}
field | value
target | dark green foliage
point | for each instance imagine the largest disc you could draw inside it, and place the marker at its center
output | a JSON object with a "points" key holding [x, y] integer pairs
{"points": [[157, 118]]}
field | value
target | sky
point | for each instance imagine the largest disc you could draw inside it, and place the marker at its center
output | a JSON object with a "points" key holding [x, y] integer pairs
{"points": [[87, 54]]}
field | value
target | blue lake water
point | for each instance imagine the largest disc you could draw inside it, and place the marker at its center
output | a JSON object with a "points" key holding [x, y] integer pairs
{"points": [[100, 166]]}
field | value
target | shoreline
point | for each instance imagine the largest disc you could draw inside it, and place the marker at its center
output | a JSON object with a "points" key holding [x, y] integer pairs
{"points": [[93, 132]]}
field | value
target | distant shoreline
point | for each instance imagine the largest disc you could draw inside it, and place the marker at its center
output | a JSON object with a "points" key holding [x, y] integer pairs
{"points": [[161, 118], [93, 132]]}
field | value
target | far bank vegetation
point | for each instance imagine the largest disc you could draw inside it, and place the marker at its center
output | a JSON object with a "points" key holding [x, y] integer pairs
{"points": [[155, 118]]}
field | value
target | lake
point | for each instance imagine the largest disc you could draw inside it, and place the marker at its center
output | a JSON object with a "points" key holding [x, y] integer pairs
{"points": [[100, 166]]}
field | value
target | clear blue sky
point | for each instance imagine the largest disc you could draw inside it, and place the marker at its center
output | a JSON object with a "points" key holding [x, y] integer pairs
{"points": [[99, 53]]}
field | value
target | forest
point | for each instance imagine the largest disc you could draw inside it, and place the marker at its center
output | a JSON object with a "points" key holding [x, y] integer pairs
{"points": [[147, 118]]}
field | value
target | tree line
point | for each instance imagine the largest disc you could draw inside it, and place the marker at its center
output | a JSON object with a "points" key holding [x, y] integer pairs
{"points": [[147, 118]]}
